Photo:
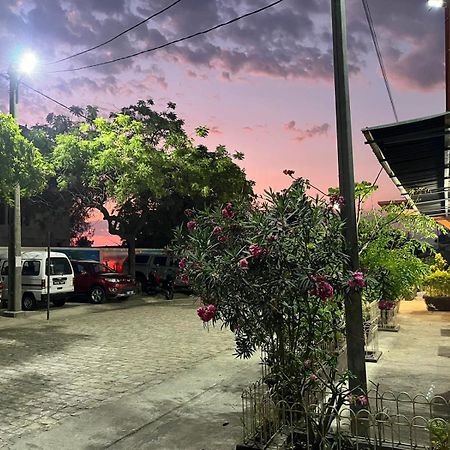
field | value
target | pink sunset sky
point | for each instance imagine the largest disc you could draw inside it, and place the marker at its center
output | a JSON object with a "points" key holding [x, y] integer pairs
{"points": [[264, 85]]}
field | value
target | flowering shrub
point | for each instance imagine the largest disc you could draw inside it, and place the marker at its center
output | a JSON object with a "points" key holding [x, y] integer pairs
{"points": [[277, 282]]}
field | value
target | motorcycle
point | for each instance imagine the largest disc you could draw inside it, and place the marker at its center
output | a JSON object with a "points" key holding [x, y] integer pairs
{"points": [[157, 285]]}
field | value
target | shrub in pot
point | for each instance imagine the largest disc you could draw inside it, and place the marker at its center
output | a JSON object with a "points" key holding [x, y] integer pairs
{"points": [[437, 290]]}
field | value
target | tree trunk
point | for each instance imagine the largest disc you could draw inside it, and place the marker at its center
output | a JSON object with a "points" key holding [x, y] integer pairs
{"points": [[132, 255]]}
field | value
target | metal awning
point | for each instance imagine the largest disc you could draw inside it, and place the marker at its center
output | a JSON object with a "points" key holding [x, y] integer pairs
{"points": [[415, 155]]}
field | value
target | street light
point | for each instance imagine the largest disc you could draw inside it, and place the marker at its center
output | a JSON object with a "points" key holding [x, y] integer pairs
{"points": [[24, 64], [27, 63], [436, 3]]}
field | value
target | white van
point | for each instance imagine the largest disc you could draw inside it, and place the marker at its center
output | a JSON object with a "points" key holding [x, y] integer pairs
{"points": [[34, 278]]}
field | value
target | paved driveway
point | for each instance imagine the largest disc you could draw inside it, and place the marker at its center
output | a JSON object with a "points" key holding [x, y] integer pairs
{"points": [[90, 353]]}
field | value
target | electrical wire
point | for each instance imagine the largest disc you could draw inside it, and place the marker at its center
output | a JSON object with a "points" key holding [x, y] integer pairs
{"points": [[83, 52], [51, 99], [382, 67], [167, 44], [379, 55]]}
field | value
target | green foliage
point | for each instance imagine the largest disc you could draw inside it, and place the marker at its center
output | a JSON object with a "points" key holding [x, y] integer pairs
{"points": [[394, 272], [21, 162], [437, 284], [391, 247], [141, 171], [439, 263], [440, 434], [274, 272]]}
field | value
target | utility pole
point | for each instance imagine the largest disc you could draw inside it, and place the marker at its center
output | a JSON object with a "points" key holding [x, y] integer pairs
{"points": [[14, 222], [353, 304]]}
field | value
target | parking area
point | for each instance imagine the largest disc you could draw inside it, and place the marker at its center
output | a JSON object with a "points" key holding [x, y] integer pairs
{"points": [[87, 354]]}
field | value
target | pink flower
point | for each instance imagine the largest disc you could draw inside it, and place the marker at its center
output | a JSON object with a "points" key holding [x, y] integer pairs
{"points": [[222, 238], [307, 363], [357, 280], [255, 250], [182, 263], [336, 201], [217, 230], [192, 225], [313, 377], [386, 305], [243, 263], [323, 289], [289, 172], [228, 212], [185, 278], [272, 238], [206, 313], [362, 400], [188, 212]]}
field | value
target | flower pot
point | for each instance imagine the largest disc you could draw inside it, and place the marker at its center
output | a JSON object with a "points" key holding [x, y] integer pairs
{"points": [[437, 303], [388, 316]]}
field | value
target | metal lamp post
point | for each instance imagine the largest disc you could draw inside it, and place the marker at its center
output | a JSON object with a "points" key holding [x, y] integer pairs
{"points": [[353, 306], [25, 64]]}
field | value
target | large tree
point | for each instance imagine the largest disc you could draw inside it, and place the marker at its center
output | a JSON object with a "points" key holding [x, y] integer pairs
{"points": [[59, 204], [21, 162], [140, 166]]}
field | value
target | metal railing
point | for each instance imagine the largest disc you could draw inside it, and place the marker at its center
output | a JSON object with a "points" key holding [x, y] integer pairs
{"points": [[393, 421]]}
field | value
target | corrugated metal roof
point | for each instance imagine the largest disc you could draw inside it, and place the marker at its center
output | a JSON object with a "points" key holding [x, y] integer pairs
{"points": [[415, 154]]}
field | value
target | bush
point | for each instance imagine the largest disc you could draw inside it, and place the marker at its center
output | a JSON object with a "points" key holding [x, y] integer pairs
{"points": [[437, 284], [274, 274]]}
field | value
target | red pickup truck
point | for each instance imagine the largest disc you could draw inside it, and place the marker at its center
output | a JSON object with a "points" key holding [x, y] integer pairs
{"points": [[100, 282]]}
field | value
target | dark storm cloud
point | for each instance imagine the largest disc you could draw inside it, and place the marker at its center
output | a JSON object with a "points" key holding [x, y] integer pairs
{"points": [[291, 40], [411, 38]]}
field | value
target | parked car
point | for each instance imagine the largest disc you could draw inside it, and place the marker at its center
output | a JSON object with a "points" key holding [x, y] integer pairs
{"points": [[34, 278], [154, 263], [100, 282]]}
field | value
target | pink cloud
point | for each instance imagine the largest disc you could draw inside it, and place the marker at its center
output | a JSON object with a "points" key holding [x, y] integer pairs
{"points": [[301, 135]]}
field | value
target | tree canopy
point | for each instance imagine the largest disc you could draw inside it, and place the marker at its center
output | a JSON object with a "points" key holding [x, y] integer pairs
{"points": [[21, 162], [139, 165]]}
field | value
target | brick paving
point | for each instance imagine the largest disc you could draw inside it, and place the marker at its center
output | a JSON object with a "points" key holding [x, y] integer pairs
{"points": [[89, 354]]}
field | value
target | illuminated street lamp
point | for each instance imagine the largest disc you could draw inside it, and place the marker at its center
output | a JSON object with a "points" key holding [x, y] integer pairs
{"points": [[436, 3], [24, 64]]}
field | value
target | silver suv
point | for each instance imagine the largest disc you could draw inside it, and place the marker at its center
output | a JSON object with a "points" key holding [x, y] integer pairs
{"points": [[156, 263]]}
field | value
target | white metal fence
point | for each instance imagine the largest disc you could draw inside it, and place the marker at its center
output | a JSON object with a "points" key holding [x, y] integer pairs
{"points": [[392, 421]]}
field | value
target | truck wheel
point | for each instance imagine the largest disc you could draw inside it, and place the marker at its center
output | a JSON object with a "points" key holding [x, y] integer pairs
{"points": [[28, 302], [59, 302], [97, 295]]}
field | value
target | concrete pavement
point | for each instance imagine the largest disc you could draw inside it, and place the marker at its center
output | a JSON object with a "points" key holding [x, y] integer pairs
{"points": [[417, 358], [146, 375], [70, 370]]}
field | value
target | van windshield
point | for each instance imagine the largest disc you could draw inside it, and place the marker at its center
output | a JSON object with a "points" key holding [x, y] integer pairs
{"points": [[59, 266]]}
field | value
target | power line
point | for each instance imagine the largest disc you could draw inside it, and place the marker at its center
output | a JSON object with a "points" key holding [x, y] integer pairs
{"points": [[381, 63], [167, 44], [380, 57], [117, 35], [51, 99]]}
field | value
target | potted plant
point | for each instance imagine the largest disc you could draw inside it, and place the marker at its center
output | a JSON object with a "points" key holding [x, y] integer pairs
{"points": [[437, 286]]}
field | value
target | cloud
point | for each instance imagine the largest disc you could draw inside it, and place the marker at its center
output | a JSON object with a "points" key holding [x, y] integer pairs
{"points": [[291, 40], [411, 39], [301, 135]]}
